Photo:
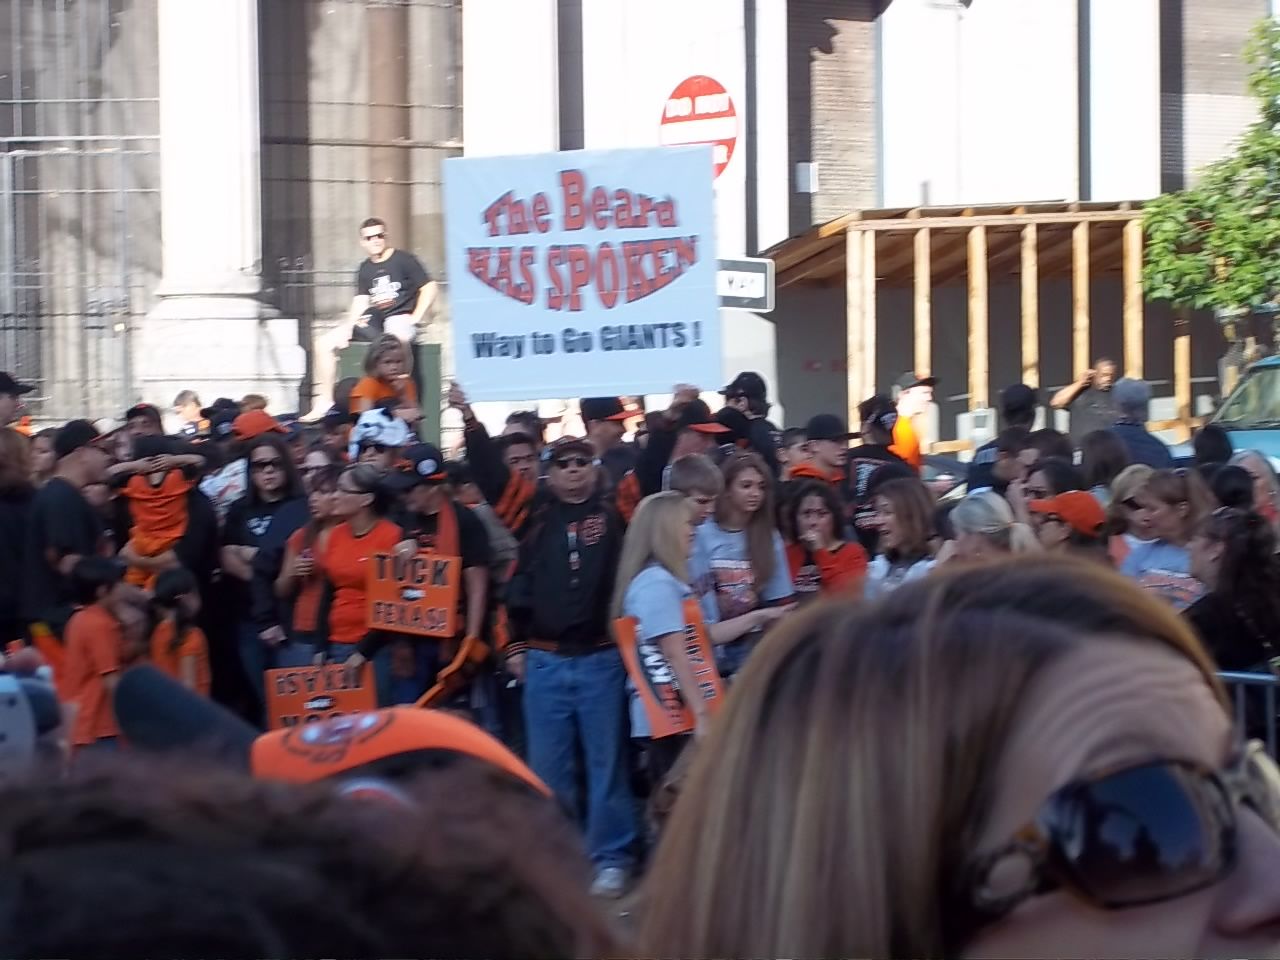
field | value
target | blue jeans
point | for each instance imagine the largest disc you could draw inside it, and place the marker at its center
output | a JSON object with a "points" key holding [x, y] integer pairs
{"points": [[583, 700], [392, 689]]}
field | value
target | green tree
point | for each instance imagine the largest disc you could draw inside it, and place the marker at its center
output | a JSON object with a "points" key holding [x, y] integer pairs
{"points": [[1216, 246]]}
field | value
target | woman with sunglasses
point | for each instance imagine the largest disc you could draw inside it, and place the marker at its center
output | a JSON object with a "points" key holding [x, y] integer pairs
{"points": [[258, 526], [1044, 765], [318, 460], [1173, 502], [1233, 553], [1071, 523], [1127, 524], [360, 504], [300, 581]]}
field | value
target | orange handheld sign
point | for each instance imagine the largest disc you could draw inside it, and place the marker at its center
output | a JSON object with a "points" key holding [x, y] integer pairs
{"points": [[305, 694], [417, 596], [664, 702]]}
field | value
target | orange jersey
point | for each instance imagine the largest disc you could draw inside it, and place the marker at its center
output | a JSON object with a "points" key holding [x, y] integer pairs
{"points": [[345, 563], [167, 657], [370, 390], [826, 571], [906, 444], [159, 513], [94, 640]]}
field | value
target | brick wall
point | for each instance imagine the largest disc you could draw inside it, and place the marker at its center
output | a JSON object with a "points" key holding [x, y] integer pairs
{"points": [[831, 62]]}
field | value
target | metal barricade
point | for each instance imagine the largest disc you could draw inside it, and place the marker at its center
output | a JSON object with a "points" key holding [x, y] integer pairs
{"points": [[1254, 702]]}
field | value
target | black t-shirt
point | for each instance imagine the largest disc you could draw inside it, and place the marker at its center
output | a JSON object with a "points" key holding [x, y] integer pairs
{"points": [[1093, 410], [266, 526], [61, 523], [392, 286], [1235, 643], [14, 509], [864, 462], [473, 545]]}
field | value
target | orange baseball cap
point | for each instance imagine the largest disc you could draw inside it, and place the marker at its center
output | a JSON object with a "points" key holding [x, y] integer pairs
{"points": [[1076, 508], [156, 714], [254, 424]]}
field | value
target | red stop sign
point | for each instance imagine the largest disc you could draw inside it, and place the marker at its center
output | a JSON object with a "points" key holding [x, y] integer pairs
{"points": [[700, 110]]}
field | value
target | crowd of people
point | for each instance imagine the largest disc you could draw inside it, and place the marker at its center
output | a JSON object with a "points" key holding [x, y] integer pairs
{"points": [[818, 651]]}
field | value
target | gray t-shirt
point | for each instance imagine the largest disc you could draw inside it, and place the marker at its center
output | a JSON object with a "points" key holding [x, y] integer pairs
{"points": [[655, 598], [721, 571], [1092, 410]]}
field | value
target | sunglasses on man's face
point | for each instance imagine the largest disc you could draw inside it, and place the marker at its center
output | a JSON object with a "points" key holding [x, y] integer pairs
{"points": [[375, 447], [373, 236], [564, 463], [1137, 835]]}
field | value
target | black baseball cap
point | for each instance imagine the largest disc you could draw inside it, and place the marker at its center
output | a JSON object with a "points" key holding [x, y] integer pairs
{"points": [[909, 380], [425, 463], [880, 410], [220, 406], [602, 408], [222, 424], [736, 422], [827, 426], [746, 384], [558, 448], [74, 435], [1017, 398], [12, 387], [143, 410], [696, 416]]}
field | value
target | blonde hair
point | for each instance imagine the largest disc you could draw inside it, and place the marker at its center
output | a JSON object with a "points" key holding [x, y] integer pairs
{"points": [[658, 534], [1124, 487], [385, 344], [794, 839], [988, 515]]}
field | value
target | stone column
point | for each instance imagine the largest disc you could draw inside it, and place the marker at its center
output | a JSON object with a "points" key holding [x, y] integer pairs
{"points": [[211, 330]]}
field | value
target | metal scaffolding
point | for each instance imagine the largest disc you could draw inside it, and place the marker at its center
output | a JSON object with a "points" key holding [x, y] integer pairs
{"points": [[79, 179]]}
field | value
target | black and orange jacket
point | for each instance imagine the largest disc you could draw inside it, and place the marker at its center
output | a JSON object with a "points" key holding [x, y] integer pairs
{"points": [[510, 494], [646, 477]]}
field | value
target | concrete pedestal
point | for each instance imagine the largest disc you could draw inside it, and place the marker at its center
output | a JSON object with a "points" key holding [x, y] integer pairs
{"points": [[210, 330]]}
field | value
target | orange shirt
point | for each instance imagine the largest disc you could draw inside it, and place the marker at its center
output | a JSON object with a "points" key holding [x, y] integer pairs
{"points": [[168, 658], [306, 605], [826, 571], [906, 444], [159, 513], [94, 640], [345, 563], [371, 390]]}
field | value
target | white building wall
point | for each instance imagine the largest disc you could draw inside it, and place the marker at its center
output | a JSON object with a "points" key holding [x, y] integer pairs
{"points": [[1124, 99], [980, 105]]}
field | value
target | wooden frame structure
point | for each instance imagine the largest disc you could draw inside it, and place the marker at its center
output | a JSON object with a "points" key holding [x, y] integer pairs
{"points": [[927, 247]]}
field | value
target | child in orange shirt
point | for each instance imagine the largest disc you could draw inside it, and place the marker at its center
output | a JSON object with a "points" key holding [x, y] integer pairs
{"points": [[821, 561], [156, 487], [178, 646], [95, 651], [387, 368]]}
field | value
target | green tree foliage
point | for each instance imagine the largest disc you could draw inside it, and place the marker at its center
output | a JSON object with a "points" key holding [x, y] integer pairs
{"points": [[1217, 245]]}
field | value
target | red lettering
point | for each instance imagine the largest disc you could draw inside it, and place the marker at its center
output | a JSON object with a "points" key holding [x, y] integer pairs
{"points": [[579, 274], [622, 209], [646, 208], [667, 213], [516, 218], [662, 275], [686, 251], [541, 213], [600, 208], [556, 292], [608, 275], [501, 283], [493, 213], [572, 186], [478, 266], [638, 283], [524, 290]]}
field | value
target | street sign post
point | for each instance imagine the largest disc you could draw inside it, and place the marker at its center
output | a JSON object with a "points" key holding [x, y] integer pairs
{"points": [[746, 284]]}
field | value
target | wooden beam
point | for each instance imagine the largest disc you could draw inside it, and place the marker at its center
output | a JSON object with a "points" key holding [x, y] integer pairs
{"points": [[855, 309], [899, 268], [1182, 365], [950, 267], [978, 344], [923, 303], [1066, 217], [1079, 299], [814, 267], [1030, 306], [1134, 312], [868, 317]]}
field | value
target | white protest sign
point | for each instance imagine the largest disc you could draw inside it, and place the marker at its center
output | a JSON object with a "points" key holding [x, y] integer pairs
{"points": [[583, 273]]}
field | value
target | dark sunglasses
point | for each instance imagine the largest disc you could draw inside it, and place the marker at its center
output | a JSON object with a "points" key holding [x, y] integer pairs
{"points": [[1131, 503], [275, 463], [564, 463], [1137, 835], [372, 236], [378, 447]]}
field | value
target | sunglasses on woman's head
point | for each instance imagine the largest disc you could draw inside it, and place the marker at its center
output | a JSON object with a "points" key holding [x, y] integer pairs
{"points": [[1137, 835]]}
